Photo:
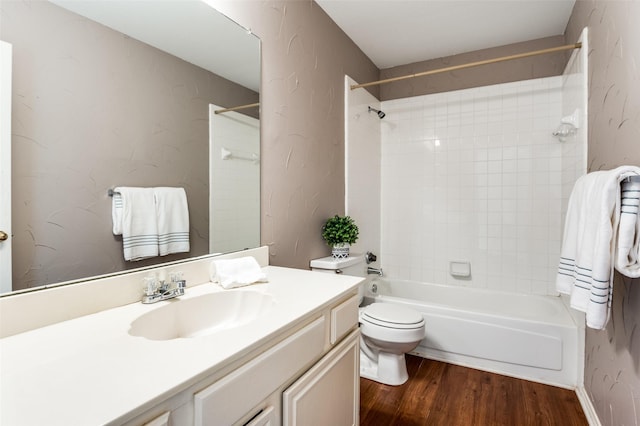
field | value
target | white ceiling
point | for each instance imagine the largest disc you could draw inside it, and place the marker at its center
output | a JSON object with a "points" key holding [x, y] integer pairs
{"points": [[399, 32], [189, 29]]}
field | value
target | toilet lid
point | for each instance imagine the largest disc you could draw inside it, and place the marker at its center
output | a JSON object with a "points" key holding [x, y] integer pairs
{"points": [[394, 316]]}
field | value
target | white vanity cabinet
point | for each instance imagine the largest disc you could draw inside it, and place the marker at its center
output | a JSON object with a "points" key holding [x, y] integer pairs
{"points": [[312, 373]]}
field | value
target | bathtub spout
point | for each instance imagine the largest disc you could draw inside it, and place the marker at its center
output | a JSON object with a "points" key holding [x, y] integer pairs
{"points": [[371, 270]]}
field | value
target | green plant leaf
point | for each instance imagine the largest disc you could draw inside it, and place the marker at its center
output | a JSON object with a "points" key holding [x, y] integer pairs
{"points": [[340, 230]]}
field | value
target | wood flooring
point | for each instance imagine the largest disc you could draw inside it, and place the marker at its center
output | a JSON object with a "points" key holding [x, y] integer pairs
{"points": [[438, 393]]}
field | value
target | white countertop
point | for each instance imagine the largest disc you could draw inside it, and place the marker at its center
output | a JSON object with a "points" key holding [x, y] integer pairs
{"points": [[91, 371]]}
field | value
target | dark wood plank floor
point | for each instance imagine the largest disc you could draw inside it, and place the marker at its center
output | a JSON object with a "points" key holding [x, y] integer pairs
{"points": [[444, 394]]}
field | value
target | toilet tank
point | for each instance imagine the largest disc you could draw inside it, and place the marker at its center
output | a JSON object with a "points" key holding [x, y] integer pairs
{"points": [[354, 265]]}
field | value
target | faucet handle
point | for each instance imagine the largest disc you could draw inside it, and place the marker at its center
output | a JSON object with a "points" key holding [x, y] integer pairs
{"points": [[370, 257], [178, 280], [149, 286]]}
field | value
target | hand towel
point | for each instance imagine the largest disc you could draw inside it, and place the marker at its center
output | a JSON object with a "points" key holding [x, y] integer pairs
{"points": [[173, 220], [628, 248], [588, 247], [136, 221], [116, 212], [239, 272]]}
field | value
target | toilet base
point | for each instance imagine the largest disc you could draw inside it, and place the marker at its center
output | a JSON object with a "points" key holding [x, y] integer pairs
{"points": [[387, 368]]}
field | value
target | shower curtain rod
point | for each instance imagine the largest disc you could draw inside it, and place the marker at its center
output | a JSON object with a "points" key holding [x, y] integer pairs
{"points": [[222, 111], [471, 64]]}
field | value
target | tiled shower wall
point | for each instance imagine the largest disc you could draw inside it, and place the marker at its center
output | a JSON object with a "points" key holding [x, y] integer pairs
{"points": [[474, 176]]}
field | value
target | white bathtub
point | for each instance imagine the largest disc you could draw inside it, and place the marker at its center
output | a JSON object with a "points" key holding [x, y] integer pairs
{"points": [[525, 336]]}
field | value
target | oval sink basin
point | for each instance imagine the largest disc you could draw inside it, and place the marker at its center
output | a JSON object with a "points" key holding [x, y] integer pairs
{"points": [[202, 315]]}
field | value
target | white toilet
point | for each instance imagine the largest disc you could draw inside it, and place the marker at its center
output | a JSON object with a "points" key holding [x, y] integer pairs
{"points": [[388, 331]]}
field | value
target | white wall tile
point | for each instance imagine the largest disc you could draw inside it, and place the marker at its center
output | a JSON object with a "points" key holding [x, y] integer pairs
{"points": [[493, 188]]}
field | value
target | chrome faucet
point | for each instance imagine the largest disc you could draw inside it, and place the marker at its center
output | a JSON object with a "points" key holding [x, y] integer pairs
{"points": [[155, 291], [371, 270]]}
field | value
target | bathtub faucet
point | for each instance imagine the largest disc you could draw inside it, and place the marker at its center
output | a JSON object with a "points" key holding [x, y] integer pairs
{"points": [[371, 270]]}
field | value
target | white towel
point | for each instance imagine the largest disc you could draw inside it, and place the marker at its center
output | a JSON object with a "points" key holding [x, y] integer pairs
{"points": [[239, 272], [173, 220], [116, 212], [628, 248], [134, 216], [588, 247]]}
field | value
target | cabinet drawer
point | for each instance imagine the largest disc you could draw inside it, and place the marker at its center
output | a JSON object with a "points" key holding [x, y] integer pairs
{"points": [[227, 400], [343, 318]]}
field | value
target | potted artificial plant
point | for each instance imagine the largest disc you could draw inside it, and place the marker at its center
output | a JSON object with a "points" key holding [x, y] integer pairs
{"points": [[340, 232]]}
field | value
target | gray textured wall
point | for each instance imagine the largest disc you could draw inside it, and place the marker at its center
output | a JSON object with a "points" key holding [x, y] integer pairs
{"points": [[612, 365], [305, 57], [93, 109]]}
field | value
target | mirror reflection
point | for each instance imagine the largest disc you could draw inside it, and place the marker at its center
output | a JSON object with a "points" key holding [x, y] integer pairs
{"points": [[126, 98]]}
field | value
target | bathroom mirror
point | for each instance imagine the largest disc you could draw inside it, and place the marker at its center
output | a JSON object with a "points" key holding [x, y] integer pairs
{"points": [[119, 93]]}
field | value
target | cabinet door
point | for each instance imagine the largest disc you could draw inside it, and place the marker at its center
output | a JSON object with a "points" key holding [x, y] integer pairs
{"points": [[329, 393]]}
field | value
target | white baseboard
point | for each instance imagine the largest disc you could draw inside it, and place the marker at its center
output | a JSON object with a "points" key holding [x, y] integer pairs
{"points": [[587, 407]]}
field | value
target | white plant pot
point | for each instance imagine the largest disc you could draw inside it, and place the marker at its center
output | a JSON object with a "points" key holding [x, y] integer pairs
{"points": [[340, 251]]}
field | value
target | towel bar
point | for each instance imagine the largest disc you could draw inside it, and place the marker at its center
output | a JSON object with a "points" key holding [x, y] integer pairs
{"points": [[635, 178], [110, 192]]}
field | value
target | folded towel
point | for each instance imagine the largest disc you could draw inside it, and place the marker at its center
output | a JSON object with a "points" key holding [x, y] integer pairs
{"points": [[588, 247], [173, 220], [134, 216], [239, 272], [628, 249]]}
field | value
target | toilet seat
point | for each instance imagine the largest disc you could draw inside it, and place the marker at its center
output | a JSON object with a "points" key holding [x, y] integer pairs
{"points": [[392, 316]]}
